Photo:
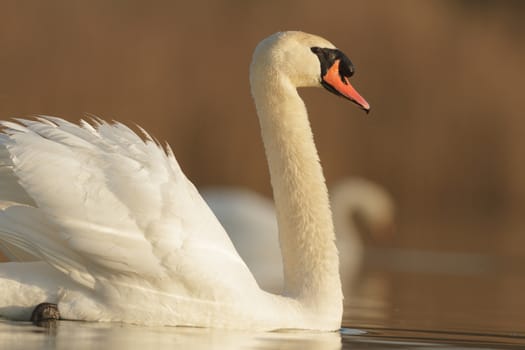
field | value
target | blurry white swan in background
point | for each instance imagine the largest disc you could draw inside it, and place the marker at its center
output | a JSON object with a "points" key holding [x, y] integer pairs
{"points": [[361, 209], [124, 236], [249, 219]]}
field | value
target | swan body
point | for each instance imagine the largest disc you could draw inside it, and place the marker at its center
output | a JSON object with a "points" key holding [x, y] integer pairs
{"points": [[124, 236], [249, 219]]}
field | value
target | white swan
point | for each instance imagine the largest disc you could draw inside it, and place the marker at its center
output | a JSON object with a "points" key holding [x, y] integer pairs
{"points": [[124, 236], [358, 200], [249, 219]]}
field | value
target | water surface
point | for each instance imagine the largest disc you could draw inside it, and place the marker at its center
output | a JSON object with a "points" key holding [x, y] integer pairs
{"points": [[413, 300]]}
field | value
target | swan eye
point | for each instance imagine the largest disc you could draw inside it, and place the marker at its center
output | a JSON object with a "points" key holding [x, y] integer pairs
{"points": [[346, 68]]}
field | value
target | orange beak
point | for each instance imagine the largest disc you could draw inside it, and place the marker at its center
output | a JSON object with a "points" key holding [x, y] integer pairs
{"points": [[343, 87]]}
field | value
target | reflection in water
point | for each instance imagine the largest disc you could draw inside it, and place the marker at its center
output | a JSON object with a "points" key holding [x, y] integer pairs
{"points": [[446, 293], [84, 335], [422, 302]]}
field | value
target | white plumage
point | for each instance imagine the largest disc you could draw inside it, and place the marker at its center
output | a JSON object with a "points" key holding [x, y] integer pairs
{"points": [[120, 234], [249, 219], [107, 206]]}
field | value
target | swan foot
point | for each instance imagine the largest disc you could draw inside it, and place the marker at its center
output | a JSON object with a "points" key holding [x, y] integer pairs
{"points": [[45, 315]]}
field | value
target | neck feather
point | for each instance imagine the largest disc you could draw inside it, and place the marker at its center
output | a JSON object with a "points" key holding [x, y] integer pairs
{"points": [[306, 234]]}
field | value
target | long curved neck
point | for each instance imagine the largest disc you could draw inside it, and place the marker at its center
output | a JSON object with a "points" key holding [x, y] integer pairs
{"points": [[306, 234]]}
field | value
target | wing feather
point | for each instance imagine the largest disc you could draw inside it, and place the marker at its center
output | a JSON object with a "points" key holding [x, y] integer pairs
{"points": [[109, 202]]}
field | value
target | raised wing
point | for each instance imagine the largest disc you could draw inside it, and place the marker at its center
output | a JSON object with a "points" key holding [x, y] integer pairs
{"points": [[98, 200]]}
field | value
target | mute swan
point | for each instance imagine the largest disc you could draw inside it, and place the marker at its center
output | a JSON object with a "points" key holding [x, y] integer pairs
{"points": [[359, 200], [249, 220], [124, 236]]}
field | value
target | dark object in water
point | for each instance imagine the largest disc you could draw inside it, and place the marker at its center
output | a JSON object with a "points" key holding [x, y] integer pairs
{"points": [[45, 315]]}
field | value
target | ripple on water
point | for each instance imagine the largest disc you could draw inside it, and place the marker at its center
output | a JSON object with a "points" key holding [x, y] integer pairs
{"points": [[84, 335]]}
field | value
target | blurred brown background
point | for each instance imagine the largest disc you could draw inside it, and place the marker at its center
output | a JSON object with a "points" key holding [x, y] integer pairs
{"points": [[444, 79]]}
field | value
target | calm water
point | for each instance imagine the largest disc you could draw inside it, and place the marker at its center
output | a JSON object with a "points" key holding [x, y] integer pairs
{"points": [[403, 300]]}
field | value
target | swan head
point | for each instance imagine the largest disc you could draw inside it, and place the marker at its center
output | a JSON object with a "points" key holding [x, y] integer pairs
{"points": [[307, 60]]}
